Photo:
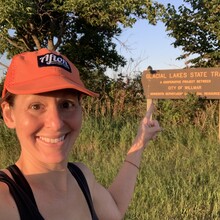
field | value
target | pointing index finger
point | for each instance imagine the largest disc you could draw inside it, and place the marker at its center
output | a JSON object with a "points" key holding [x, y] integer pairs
{"points": [[150, 111]]}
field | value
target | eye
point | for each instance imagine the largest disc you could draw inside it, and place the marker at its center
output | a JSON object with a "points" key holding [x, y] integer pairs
{"points": [[67, 104], [36, 106]]}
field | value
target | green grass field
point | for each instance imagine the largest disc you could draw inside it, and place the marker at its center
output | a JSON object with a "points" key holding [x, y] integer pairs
{"points": [[179, 175]]}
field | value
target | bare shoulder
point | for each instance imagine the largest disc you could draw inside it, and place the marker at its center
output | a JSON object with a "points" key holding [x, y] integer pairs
{"points": [[90, 178], [4, 195], [104, 203], [8, 208], [87, 173]]}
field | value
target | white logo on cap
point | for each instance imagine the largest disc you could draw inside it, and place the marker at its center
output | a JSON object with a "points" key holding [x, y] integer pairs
{"points": [[51, 59]]}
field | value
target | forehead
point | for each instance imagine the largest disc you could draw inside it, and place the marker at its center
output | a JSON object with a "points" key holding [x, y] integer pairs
{"points": [[60, 93], [55, 94]]}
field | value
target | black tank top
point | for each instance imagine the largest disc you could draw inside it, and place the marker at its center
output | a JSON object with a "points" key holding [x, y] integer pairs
{"points": [[24, 197]]}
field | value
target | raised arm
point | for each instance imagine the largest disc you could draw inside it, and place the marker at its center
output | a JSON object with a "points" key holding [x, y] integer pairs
{"points": [[114, 203]]}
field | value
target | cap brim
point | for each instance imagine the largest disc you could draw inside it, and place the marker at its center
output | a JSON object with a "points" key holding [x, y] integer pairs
{"points": [[41, 86]]}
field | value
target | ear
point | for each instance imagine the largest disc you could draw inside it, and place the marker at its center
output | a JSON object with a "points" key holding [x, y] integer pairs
{"points": [[7, 113]]}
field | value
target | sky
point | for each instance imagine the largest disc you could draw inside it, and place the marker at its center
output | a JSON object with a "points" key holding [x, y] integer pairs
{"points": [[147, 45], [150, 45]]}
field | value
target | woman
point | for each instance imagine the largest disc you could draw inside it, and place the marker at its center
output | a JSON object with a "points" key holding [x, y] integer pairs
{"points": [[41, 101]]}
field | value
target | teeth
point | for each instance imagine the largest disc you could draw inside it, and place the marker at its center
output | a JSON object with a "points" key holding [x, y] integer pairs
{"points": [[52, 140]]}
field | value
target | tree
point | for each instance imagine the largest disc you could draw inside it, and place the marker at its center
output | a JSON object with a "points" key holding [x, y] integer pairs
{"points": [[195, 27], [82, 29]]}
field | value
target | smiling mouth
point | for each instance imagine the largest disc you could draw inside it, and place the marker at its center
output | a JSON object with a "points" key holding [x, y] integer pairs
{"points": [[52, 140]]}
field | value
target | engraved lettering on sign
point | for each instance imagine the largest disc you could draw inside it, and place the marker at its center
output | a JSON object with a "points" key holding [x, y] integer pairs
{"points": [[178, 83]]}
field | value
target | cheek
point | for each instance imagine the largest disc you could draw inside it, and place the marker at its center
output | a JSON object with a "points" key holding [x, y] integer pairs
{"points": [[26, 125], [75, 120]]}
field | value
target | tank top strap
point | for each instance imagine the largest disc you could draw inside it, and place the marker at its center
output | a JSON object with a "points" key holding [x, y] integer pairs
{"points": [[22, 182], [80, 178], [26, 208], [24, 197]]}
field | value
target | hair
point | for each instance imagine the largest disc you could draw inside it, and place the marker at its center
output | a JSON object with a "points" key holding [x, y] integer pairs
{"points": [[9, 98]]}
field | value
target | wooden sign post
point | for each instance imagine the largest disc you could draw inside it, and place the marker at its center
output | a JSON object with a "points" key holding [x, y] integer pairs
{"points": [[177, 83]]}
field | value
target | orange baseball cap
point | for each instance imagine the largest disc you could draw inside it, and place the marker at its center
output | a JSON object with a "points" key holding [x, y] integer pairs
{"points": [[42, 71]]}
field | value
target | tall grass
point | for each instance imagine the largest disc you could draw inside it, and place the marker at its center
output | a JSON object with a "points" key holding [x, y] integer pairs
{"points": [[179, 175], [179, 178], [9, 147]]}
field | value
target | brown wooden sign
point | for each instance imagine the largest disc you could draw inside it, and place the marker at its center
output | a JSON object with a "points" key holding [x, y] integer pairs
{"points": [[175, 84]]}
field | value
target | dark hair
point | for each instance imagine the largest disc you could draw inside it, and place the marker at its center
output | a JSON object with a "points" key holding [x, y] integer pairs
{"points": [[9, 98]]}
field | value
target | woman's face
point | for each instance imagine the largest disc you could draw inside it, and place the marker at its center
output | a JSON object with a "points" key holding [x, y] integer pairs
{"points": [[46, 124]]}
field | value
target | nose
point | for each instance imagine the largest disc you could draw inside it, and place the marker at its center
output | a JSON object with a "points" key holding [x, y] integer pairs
{"points": [[54, 119]]}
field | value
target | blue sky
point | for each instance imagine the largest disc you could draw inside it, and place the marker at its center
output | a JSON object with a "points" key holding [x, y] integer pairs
{"points": [[146, 45], [150, 45]]}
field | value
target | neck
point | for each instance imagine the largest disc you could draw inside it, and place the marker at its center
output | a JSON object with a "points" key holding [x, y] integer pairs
{"points": [[50, 176]]}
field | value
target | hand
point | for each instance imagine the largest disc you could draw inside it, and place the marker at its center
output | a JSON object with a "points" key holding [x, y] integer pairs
{"points": [[148, 129]]}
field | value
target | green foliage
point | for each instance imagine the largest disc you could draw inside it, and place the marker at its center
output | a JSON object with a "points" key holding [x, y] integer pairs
{"points": [[9, 146], [178, 180], [192, 110], [196, 29], [122, 96], [179, 175], [82, 30], [1, 84]]}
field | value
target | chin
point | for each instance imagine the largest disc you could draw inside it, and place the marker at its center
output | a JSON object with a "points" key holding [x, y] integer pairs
{"points": [[55, 159]]}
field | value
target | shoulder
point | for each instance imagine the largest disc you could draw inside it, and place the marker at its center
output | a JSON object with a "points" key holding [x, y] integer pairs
{"points": [[103, 201], [90, 178], [4, 194], [86, 171], [4, 190], [8, 208]]}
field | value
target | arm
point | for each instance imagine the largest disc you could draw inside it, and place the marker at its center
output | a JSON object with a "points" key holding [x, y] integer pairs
{"points": [[119, 194]]}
